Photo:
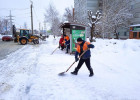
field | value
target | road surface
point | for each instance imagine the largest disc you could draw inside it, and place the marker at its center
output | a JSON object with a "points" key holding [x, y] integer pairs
{"points": [[7, 47]]}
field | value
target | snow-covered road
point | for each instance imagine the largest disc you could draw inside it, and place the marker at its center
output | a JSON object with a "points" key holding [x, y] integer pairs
{"points": [[31, 73]]}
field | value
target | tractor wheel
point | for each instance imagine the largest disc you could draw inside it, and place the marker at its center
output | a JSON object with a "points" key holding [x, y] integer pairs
{"points": [[37, 41], [34, 41], [23, 41]]}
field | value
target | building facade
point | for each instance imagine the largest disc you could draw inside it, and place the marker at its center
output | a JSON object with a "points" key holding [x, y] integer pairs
{"points": [[135, 7], [82, 7], [136, 11]]}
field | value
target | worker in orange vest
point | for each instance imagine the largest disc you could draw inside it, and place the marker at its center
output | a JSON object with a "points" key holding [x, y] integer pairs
{"points": [[67, 43], [81, 47]]}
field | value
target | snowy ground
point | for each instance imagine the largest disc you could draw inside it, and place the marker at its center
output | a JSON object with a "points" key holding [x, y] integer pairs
{"points": [[31, 73]]}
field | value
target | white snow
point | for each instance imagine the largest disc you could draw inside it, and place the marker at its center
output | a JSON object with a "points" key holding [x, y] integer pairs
{"points": [[31, 73], [0, 36], [66, 21], [94, 16], [135, 25], [90, 24]]}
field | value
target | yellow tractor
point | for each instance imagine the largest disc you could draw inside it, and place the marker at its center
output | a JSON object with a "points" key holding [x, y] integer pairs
{"points": [[24, 37]]}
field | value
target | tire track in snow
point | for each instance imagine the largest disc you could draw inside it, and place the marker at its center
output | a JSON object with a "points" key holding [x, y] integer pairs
{"points": [[23, 63]]}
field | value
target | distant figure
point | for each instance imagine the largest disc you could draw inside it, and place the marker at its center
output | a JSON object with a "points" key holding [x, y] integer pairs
{"points": [[67, 43], [81, 47], [61, 44]]}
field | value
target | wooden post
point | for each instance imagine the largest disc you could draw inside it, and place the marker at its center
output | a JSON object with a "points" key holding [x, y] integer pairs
{"points": [[32, 19]]}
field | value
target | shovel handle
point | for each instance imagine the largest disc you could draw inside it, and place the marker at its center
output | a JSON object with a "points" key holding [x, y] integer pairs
{"points": [[54, 50], [83, 53], [71, 65]]}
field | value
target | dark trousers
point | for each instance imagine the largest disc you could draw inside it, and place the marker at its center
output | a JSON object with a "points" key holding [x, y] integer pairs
{"points": [[87, 62], [60, 46], [67, 48]]}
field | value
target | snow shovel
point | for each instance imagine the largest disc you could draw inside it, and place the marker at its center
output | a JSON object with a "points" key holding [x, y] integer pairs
{"points": [[62, 73], [54, 50]]}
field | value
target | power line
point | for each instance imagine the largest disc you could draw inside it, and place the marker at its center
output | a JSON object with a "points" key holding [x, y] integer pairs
{"points": [[23, 17], [23, 14], [11, 23], [36, 15], [13, 9]]}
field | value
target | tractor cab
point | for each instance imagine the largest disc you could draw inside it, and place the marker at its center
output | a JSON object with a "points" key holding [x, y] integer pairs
{"points": [[25, 36], [24, 33]]}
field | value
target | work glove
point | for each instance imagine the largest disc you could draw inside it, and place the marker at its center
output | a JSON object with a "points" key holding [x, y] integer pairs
{"points": [[76, 59]]}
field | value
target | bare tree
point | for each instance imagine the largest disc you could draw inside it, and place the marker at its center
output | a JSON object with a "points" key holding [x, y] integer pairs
{"points": [[93, 19], [52, 17], [68, 15], [116, 14], [4, 26], [55, 29], [1, 27]]}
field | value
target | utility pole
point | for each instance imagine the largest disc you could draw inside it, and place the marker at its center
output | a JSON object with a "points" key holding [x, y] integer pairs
{"points": [[45, 29], [11, 23], [32, 18], [42, 30], [39, 27], [73, 14]]}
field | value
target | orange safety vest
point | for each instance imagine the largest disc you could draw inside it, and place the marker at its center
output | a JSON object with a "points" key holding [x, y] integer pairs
{"points": [[67, 38], [85, 47]]}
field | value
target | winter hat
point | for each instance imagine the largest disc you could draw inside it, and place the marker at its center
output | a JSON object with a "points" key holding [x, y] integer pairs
{"points": [[79, 40]]}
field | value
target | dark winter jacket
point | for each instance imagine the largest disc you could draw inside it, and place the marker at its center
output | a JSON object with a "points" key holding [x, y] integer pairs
{"points": [[82, 47], [67, 42]]}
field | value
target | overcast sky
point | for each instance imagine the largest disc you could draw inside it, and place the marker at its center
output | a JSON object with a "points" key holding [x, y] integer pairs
{"points": [[21, 10]]}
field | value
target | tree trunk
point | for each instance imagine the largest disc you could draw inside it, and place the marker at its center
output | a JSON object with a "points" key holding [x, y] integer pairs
{"points": [[117, 35], [92, 33]]}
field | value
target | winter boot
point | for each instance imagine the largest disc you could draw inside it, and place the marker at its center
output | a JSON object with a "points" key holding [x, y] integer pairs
{"points": [[91, 73], [75, 72]]}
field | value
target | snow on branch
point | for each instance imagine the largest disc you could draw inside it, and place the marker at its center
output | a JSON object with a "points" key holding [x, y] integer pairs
{"points": [[93, 19]]}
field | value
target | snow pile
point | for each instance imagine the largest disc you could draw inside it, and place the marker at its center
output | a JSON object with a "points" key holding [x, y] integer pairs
{"points": [[94, 16], [33, 74], [0, 36]]}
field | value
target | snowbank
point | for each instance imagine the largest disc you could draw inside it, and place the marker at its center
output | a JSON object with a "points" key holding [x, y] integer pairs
{"points": [[33, 74], [0, 36]]}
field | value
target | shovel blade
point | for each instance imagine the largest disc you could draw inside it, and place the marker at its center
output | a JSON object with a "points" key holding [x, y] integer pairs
{"points": [[61, 74]]}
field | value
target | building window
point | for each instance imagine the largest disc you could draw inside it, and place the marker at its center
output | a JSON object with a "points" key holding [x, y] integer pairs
{"points": [[125, 33], [137, 26], [90, 4], [132, 7], [139, 34], [134, 34], [118, 33]]}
